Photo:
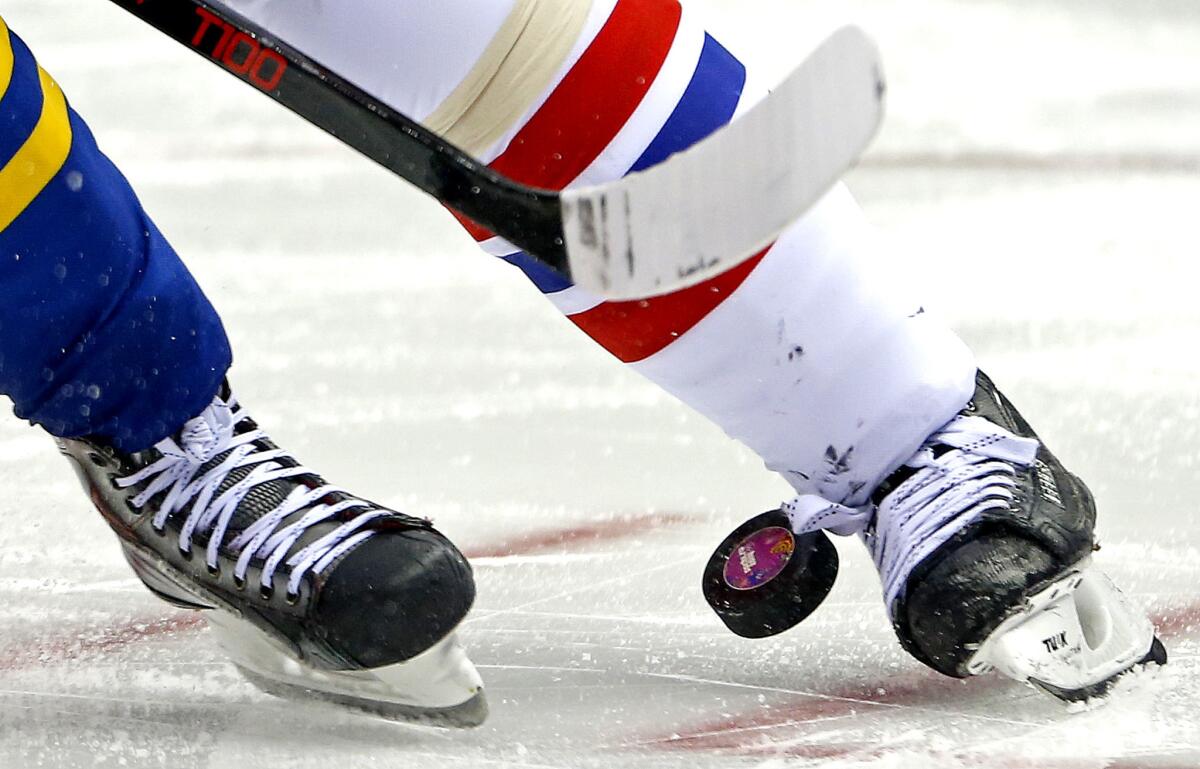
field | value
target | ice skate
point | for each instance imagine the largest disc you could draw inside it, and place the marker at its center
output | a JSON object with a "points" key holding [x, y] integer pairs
{"points": [[983, 543], [313, 592]]}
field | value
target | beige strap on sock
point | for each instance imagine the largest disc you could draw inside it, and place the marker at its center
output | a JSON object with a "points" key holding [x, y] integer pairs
{"points": [[515, 69]]}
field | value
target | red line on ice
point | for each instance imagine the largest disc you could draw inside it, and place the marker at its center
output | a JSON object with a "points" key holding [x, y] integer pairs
{"points": [[584, 533], [780, 730], [97, 641], [50, 651], [749, 733]]}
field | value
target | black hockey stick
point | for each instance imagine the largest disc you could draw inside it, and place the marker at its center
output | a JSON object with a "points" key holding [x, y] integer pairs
{"points": [[528, 217], [674, 224]]}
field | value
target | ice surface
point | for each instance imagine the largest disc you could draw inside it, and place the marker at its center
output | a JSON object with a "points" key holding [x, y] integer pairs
{"points": [[1037, 176]]}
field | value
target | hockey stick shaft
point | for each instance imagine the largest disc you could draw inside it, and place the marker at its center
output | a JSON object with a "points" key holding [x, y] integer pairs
{"points": [[528, 217], [692, 216]]}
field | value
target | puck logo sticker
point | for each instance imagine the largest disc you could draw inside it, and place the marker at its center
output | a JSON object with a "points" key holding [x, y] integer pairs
{"points": [[759, 558]]}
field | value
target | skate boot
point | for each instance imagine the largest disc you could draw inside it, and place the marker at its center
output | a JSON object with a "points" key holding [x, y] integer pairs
{"points": [[983, 543], [313, 592]]}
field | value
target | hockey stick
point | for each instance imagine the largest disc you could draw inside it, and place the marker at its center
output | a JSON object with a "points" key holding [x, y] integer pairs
{"points": [[696, 214]]}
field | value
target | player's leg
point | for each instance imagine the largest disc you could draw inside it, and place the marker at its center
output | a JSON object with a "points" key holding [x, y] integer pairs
{"points": [[803, 353], [107, 342]]}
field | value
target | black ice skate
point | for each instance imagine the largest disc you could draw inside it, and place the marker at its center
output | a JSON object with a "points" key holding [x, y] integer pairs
{"points": [[983, 543], [312, 591]]}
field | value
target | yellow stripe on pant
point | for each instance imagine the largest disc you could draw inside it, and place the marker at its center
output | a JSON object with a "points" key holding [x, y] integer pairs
{"points": [[41, 157], [6, 59]]}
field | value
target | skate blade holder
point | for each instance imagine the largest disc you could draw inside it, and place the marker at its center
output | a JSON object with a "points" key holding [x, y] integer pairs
{"points": [[440, 686], [1072, 640]]}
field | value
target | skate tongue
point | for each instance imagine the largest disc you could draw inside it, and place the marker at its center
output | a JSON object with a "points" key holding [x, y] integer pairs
{"points": [[978, 435], [207, 435], [1073, 639]]}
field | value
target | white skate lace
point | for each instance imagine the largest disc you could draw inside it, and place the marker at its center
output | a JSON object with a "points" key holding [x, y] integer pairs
{"points": [[947, 492], [208, 436]]}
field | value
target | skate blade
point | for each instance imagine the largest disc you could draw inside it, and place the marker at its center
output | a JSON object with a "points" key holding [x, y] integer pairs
{"points": [[1072, 640], [439, 687], [466, 715]]}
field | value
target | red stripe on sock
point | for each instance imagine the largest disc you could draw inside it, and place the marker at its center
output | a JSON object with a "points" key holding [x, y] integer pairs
{"points": [[581, 117], [637, 329], [593, 102]]}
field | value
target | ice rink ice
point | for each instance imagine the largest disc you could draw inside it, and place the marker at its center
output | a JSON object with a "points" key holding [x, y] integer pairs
{"points": [[1037, 179]]}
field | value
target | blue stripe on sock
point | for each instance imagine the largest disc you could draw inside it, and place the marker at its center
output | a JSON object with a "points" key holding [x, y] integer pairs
{"points": [[547, 280], [707, 104], [21, 104]]}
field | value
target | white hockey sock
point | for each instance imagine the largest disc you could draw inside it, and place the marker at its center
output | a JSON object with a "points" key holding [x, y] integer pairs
{"points": [[805, 353]]}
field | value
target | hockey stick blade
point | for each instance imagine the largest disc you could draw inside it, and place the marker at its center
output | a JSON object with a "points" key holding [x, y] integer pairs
{"points": [[728, 196], [574, 233]]}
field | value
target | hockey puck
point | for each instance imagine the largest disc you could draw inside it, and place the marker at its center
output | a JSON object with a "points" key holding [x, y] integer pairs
{"points": [[763, 579]]}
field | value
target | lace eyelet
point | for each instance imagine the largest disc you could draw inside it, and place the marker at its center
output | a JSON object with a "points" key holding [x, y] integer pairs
{"points": [[132, 508], [160, 532], [266, 593], [112, 481], [291, 598], [186, 554], [214, 571], [238, 582], [96, 459]]}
